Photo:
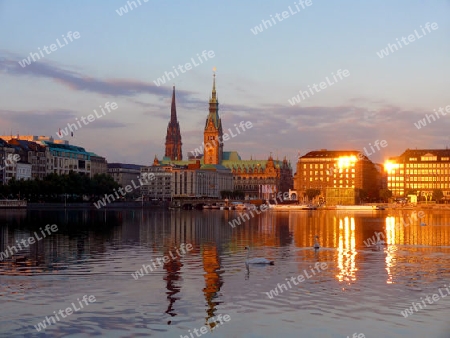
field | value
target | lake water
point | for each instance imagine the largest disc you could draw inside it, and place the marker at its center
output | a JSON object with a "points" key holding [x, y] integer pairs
{"points": [[345, 287]]}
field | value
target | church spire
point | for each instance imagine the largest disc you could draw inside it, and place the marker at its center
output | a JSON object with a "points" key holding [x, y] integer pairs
{"points": [[173, 110], [173, 137]]}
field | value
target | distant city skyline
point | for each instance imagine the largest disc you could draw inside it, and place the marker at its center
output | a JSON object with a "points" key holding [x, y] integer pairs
{"points": [[116, 57]]}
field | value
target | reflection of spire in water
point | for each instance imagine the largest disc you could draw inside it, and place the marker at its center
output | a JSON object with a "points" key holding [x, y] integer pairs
{"points": [[172, 277], [346, 250], [213, 280]]}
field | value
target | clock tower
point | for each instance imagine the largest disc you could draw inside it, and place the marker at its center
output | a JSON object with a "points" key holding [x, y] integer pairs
{"points": [[212, 136]]}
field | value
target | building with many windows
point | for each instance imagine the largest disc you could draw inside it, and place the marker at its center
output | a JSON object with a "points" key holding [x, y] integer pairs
{"points": [[124, 173], [156, 182], [7, 165], [47, 155], [324, 169], [32, 153], [419, 172], [190, 181]]}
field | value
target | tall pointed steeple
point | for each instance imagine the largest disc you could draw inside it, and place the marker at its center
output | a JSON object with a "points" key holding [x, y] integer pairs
{"points": [[213, 134], [173, 137], [173, 109]]}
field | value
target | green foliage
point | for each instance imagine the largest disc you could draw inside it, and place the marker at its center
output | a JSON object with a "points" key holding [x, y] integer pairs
{"points": [[437, 195], [226, 194], [311, 193], [57, 188], [385, 194], [238, 194]]}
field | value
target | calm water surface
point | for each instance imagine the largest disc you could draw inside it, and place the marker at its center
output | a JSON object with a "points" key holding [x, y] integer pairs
{"points": [[361, 290]]}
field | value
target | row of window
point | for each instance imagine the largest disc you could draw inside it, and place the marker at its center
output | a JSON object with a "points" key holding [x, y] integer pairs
{"points": [[318, 166], [330, 172], [428, 171], [427, 165]]}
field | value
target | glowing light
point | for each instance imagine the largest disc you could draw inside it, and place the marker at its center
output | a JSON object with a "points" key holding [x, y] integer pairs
{"points": [[214, 69], [389, 166], [346, 161]]}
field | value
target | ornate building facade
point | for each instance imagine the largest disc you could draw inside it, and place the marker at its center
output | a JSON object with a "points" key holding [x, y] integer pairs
{"points": [[173, 137]]}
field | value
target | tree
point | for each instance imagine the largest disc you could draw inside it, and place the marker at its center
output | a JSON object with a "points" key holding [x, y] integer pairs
{"points": [[385, 194], [311, 193], [437, 195], [226, 194], [53, 187], [238, 194]]}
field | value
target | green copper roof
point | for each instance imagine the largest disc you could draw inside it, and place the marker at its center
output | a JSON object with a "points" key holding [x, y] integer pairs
{"points": [[231, 156]]}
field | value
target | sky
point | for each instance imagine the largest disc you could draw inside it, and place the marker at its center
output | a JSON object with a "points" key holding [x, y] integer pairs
{"points": [[119, 57]]}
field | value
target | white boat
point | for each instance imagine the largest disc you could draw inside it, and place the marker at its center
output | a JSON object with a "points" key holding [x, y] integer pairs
{"points": [[359, 207], [288, 207], [206, 206], [239, 206], [6, 204], [250, 206]]}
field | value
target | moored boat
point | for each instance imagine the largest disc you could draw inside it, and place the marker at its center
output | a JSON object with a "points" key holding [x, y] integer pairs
{"points": [[8, 204], [359, 207]]}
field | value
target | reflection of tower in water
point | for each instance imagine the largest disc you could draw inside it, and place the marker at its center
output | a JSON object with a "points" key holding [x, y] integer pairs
{"points": [[213, 279]]}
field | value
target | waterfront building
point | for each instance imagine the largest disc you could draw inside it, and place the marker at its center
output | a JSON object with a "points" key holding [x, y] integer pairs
{"points": [[7, 167], [324, 169], [124, 173], [32, 153], [48, 155], [419, 172], [23, 171], [178, 181], [99, 165], [159, 187]]}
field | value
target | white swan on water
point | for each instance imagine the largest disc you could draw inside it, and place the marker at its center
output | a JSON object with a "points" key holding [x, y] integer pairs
{"points": [[257, 260], [316, 243]]}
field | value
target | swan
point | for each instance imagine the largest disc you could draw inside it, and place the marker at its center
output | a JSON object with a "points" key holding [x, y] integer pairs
{"points": [[380, 242], [257, 260], [316, 243]]}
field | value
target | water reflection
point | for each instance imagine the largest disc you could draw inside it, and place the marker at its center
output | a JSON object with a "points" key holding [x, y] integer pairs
{"points": [[347, 250], [191, 287]]}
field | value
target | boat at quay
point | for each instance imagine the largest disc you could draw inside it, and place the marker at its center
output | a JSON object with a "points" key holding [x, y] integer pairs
{"points": [[12, 204]]}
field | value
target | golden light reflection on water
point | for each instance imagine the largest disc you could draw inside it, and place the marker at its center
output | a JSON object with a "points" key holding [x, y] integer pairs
{"points": [[390, 239], [346, 257]]}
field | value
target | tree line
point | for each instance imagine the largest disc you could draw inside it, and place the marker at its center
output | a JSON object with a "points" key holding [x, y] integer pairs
{"points": [[72, 187]]}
